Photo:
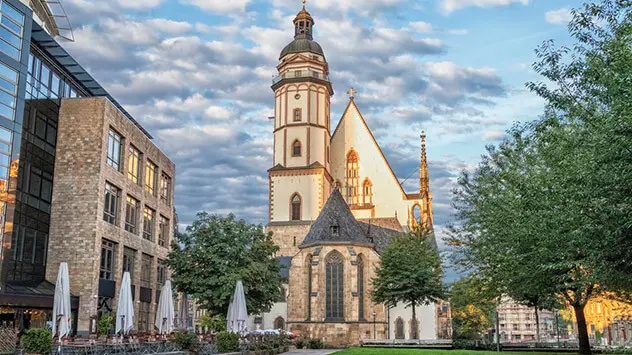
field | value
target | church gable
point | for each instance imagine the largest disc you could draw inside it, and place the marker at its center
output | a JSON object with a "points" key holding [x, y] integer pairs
{"points": [[375, 177], [335, 224]]}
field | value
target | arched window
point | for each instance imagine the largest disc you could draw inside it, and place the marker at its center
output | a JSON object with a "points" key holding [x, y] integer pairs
{"points": [[399, 328], [360, 288], [279, 323], [335, 286], [309, 286], [353, 177], [367, 192], [296, 148], [295, 208]]}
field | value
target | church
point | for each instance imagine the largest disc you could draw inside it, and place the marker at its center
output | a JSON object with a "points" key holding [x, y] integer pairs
{"points": [[334, 205]]}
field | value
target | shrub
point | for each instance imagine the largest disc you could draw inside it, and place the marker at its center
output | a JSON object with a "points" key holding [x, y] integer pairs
{"points": [[227, 342], [105, 324], [37, 341], [186, 341], [315, 343], [216, 323], [300, 343]]}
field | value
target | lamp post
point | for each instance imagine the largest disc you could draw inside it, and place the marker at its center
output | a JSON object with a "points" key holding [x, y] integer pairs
{"points": [[374, 331]]}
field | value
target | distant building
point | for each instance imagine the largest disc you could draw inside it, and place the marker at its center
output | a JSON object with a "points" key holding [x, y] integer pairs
{"points": [[80, 181], [609, 322], [518, 323]]}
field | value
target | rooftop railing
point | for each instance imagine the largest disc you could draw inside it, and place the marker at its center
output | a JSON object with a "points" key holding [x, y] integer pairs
{"points": [[300, 74]]}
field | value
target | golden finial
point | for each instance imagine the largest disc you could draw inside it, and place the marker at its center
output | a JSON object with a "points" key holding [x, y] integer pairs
{"points": [[304, 1]]}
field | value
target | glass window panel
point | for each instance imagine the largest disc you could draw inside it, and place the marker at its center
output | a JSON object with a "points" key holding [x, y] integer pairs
{"points": [[12, 13], [8, 72], [6, 111], [54, 85], [47, 190], [7, 85], [5, 135], [9, 50], [10, 37], [7, 99], [51, 135], [4, 160], [73, 93], [45, 76], [31, 61], [11, 25], [4, 147]]}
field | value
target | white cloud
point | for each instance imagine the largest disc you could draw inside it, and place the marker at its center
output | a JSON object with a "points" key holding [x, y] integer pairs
{"points": [[449, 6], [494, 135], [458, 32], [139, 4], [421, 26], [558, 17], [220, 6]]}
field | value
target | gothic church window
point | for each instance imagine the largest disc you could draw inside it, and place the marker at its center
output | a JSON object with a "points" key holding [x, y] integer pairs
{"points": [[399, 328], [367, 192], [353, 177], [279, 323], [334, 279], [309, 286], [360, 288], [295, 208], [296, 148], [297, 111]]}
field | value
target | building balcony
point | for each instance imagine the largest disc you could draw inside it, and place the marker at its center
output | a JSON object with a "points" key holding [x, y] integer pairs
{"points": [[296, 74]]}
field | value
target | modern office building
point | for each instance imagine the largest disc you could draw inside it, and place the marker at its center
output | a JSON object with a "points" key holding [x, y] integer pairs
{"points": [[80, 180]]}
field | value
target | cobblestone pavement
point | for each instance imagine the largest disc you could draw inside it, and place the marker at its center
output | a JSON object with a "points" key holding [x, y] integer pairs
{"points": [[311, 352]]}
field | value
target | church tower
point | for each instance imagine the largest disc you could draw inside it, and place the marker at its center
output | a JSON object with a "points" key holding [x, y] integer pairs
{"points": [[300, 181]]}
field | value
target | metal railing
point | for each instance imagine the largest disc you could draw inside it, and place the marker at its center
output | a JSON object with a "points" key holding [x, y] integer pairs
{"points": [[300, 74]]}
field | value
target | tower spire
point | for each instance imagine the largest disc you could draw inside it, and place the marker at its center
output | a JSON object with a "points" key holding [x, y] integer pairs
{"points": [[303, 23], [424, 187]]}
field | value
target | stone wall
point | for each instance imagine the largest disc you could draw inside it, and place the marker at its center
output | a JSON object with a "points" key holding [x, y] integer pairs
{"points": [[352, 329], [77, 225]]}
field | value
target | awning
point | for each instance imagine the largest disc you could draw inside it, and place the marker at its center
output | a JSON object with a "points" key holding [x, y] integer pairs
{"points": [[31, 294]]}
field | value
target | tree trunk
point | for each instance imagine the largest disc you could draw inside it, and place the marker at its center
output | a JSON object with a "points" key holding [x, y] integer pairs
{"points": [[414, 322], [537, 325], [582, 330]]}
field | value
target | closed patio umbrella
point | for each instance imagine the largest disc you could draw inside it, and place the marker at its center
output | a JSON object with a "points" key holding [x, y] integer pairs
{"points": [[61, 303], [184, 312], [165, 311], [125, 307], [238, 313]]}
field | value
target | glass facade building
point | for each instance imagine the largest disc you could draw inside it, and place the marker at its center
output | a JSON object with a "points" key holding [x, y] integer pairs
{"points": [[35, 74]]}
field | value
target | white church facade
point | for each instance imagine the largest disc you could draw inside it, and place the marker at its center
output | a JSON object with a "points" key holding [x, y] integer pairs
{"points": [[334, 205]]}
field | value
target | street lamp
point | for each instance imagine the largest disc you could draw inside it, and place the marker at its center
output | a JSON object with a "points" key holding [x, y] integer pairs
{"points": [[374, 332]]}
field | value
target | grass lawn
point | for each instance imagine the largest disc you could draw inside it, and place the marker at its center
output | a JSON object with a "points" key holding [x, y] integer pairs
{"points": [[379, 351]]}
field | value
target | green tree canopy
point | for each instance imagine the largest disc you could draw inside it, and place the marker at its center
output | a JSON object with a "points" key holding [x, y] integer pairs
{"points": [[549, 208], [473, 308], [216, 252], [409, 273]]}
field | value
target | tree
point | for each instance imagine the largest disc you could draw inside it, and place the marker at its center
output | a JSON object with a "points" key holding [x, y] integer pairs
{"points": [[216, 252], [409, 273], [550, 207], [473, 308]]}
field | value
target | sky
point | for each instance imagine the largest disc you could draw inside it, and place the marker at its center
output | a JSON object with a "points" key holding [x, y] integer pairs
{"points": [[197, 74]]}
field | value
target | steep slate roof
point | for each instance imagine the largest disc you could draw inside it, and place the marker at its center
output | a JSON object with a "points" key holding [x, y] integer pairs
{"points": [[336, 213], [378, 232], [385, 222], [380, 236]]}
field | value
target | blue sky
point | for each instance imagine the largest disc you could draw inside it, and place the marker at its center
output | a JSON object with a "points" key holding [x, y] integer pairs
{"points": [[197, 75]]}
